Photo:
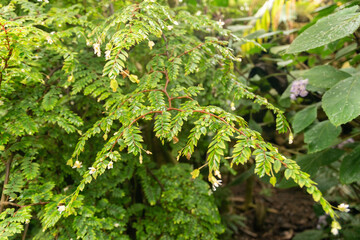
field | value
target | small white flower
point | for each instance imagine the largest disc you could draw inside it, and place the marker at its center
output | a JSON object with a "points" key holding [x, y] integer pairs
{"points": [[291, 138], [232, 106], [221, 23], [49, 40], [116, 225], [176, 23], [198, 13], [47, 1], [77, 164], [110, 165], [11, 199], [335, 227], [66, 188], [215, 182], [61, 208], [217, 173], [92, 170], [88, 43], [107, 54], [27, 221], [97, 50], [151, 44], [334, 231], [170, 27], [59, 25], [52, 33], [344, 207], [23, 70]]}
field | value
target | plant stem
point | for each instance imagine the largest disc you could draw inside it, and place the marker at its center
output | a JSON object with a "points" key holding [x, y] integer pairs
{"points": [[6, 181]]}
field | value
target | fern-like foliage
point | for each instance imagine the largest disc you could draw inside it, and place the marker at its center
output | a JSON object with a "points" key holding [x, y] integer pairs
{"points": [[82, 95]]}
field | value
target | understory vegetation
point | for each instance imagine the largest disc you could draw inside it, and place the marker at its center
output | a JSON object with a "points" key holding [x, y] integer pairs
{"points": [[141, 119]]}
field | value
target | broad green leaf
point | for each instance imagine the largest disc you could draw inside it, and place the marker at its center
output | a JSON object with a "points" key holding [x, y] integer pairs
{"points": [[321, 136], [350, 167], [325, 76], [341, 102], [327, 30], [304, 118], [309, 235], [310, 163]]}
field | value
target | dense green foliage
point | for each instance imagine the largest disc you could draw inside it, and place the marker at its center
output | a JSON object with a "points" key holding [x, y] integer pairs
{"points": [[100, 103]]}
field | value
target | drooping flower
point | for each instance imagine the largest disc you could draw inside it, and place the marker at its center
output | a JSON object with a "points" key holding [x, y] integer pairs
{"points": [[232, 106], [344, 207], [107, 54], [335, 227], [110, 165], [334, 231], [215, 182], [151, 44], [170, 27], [61, 208], [97, 50], [77, 164], [217, 173], [92, 170], [298, 88]]}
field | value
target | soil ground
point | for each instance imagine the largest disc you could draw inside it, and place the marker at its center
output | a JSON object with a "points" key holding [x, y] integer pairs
{"points": [[276, 214]]}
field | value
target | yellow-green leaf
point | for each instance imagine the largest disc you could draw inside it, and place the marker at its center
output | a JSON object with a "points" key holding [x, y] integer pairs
{"points": [[114, 85]]}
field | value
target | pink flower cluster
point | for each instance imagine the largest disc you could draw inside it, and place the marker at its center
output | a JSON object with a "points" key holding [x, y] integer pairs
{"points": [[298, 88]]}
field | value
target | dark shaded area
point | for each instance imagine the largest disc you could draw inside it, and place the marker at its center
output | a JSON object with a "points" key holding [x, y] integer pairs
{"points": [[275, 214]]}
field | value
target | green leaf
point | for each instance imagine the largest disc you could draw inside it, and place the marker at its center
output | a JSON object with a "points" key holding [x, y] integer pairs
{"points": [[288, 173], [310, 163], [327, 30], [277, 166], [50, 99], [321, 136], [309, 235], [114, 85], [304, 118], [316, 195], [341, 102], [325, 76], [273, 181], [350, 167]]}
